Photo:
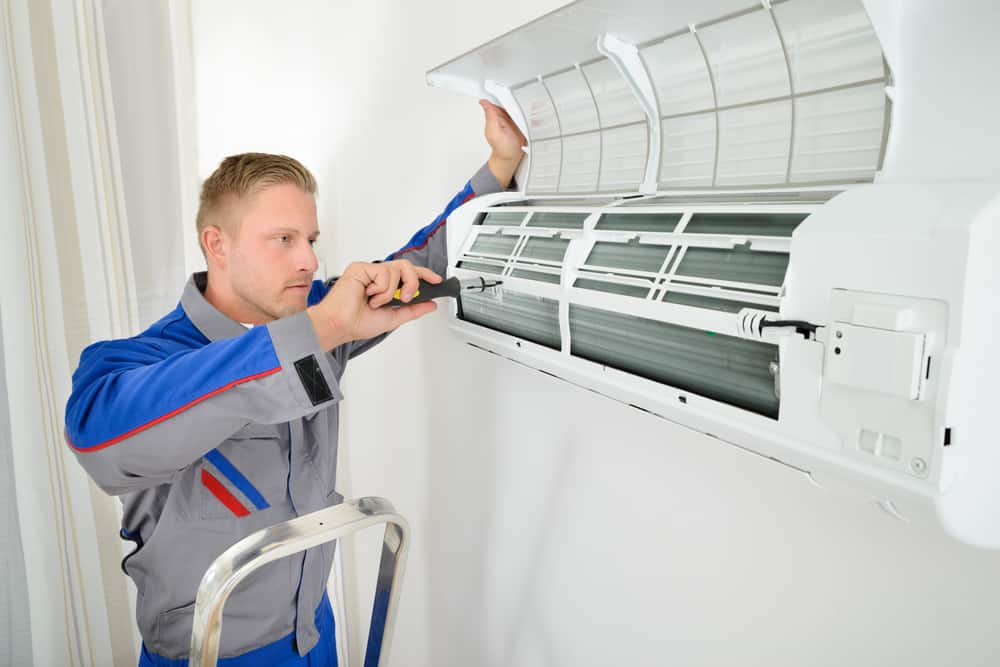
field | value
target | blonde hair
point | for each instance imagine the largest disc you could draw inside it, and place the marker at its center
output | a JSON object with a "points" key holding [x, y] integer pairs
{"points": [[242, 175]]}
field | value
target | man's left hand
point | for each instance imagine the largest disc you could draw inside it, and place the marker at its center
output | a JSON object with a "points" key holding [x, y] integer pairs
{"points": [[505, 140]]}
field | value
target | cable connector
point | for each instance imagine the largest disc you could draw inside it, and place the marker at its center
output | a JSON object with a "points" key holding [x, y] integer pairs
{"points": [[754, 324]]}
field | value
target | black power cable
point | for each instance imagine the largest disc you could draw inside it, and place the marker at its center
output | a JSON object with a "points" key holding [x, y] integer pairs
{"points": [[802, 327]]}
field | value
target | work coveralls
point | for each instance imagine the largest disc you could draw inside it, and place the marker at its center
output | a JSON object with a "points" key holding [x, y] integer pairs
{"points": [[209, 431]]}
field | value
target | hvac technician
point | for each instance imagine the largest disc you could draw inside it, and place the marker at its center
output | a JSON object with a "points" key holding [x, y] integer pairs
{"points": [[221, 418]]}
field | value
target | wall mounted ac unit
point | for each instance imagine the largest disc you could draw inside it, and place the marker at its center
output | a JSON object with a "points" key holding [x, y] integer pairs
{"points": [[735, 216]]}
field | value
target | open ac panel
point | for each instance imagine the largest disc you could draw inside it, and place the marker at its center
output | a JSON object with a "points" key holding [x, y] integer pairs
{"points": [[706, 231]]}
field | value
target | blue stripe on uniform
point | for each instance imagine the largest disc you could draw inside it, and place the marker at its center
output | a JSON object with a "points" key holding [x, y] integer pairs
{"points": [[226, 467], [420, 238]]}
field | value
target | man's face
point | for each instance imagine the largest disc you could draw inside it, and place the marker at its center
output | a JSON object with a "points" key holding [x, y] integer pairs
{"points": [[271, 260]]}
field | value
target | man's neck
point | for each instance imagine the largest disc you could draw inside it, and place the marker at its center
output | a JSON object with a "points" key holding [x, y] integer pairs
{"points": [[226, 302]]}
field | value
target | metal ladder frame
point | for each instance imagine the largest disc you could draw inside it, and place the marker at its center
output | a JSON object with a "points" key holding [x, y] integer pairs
{"points": [[291, 537]]}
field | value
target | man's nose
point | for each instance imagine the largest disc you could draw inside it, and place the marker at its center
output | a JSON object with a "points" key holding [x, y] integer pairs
{"points": [[306, 259]]}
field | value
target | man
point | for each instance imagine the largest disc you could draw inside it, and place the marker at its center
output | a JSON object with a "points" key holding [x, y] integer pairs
{"points": [[221, 418]]}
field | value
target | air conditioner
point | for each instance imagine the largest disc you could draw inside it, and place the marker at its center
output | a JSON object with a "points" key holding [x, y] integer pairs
{"points": [[763, 222]]}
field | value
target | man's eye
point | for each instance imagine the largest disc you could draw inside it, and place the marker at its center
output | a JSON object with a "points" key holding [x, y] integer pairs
{"points": [[284, 238], [312, 242]]}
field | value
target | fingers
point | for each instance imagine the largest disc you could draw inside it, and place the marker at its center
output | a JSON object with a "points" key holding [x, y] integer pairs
{"points": [[371, 275], [385, 280], [496, 116], [508, 124], [410, 281], [352, 310], [401, 275], [503, 117], [502, 133], [410, 312], [410, 277], [490, 108], [427, 275]]}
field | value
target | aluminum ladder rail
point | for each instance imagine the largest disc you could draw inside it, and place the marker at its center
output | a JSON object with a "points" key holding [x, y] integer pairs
{"points": [[288, 538]]}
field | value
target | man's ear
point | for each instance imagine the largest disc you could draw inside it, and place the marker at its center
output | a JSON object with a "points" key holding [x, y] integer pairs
{"points": [[216, 245]]}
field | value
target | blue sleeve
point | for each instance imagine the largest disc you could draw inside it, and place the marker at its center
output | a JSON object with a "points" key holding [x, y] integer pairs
{"points": [[142, 409], [428, 246], [420, 240]]}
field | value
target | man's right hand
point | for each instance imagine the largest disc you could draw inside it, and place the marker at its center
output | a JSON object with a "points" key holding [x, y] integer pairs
{"points": [[352, 309]]}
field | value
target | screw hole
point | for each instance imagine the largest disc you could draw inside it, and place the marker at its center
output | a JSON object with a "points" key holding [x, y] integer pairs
{"points": [[517, 343], [836, 350], [682, 399]]}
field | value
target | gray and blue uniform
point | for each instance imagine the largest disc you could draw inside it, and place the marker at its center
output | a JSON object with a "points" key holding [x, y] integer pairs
{"points": [[209, 432]]}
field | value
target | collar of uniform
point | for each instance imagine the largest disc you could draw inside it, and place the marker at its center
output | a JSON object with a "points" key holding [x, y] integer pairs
{"points": [[212, 323]]}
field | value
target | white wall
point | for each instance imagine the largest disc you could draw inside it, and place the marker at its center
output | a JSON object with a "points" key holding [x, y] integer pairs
{"points": [[263, 83], [552, 526]]}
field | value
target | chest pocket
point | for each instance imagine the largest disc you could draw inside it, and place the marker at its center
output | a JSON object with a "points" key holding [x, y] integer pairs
{"points": [[247, 473]]}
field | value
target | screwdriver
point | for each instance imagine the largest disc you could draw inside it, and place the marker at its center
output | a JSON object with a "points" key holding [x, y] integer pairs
{"points": [[426, 291], [452, 287]]}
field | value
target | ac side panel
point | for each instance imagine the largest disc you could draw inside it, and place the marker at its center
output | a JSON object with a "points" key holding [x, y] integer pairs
{"points": [[918, 259], [969, 508]]}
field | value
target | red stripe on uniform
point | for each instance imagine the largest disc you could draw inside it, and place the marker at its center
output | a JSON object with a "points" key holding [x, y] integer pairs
{"points": [[170, 414], [220, 492], [433, 231]]}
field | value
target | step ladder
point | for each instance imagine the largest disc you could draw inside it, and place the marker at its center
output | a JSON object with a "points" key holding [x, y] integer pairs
{"points": [[290, 537]]}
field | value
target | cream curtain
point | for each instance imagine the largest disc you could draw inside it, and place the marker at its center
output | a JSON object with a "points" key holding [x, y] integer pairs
{"points": [[94, 186], [15, 630]]}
